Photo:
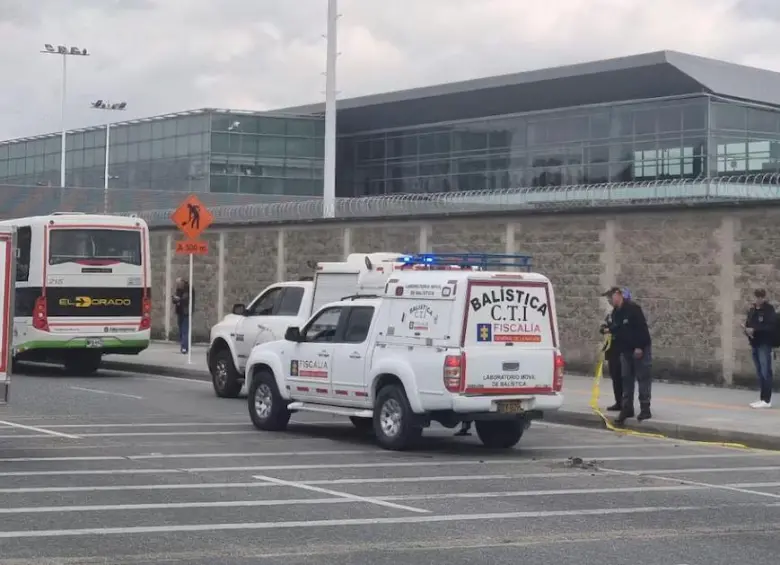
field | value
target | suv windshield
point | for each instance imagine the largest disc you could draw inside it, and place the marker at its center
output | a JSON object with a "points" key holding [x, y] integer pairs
{"points": [[75, 245]]}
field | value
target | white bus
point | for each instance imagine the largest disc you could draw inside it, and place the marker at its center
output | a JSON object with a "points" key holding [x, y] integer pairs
{"points": [[83, 289]]}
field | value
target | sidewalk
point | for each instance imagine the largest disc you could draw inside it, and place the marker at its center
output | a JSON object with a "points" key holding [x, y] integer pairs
{"points": [[679, 411]]}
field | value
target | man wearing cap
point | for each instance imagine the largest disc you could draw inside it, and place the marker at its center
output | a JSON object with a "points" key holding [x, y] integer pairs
{"points": [[633, 341], [612, 356]]}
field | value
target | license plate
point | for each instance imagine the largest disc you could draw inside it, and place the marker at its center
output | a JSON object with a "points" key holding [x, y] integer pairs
{"points": [[510, 406], [94, 342]]}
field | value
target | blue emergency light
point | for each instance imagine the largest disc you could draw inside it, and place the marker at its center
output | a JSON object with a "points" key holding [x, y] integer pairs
{"points": [[470, 260]]}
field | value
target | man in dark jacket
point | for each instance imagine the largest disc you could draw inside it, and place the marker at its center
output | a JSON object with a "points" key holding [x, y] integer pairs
{"points": [[632, 338], [760, 330], [181, 302], [612, 357]]}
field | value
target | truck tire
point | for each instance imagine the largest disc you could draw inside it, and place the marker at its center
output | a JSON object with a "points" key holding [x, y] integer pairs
{"points": [[364, 425], [395, 425], [82, 363], [500, 434], [267, 409], [225, 378]]}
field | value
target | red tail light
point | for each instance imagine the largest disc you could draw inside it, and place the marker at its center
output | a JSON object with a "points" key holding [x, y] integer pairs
{"points": [[454, 372], [40, 319], [146, 315], [558, 375]]}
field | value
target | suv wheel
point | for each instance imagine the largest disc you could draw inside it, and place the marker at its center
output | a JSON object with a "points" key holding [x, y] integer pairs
{"points": [[224, 376], [500, 434], [395, 425], [267, 409]]}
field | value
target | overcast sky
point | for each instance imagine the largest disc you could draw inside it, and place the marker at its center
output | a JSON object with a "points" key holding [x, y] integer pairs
{"points": [[168, 55]]}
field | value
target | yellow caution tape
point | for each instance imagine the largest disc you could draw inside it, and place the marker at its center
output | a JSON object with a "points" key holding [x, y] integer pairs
{"points": [[595, 395]]}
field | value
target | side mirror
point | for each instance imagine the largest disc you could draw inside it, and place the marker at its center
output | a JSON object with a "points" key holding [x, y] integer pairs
{"points": [[293, 333], [239, 309]]}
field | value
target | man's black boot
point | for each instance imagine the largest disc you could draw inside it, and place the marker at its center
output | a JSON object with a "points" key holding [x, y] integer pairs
{"points": [[644, 413], [614, 408], [626, 412]]}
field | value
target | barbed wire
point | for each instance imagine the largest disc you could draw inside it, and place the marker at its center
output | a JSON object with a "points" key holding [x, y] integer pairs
{"points": [[156, 206]]}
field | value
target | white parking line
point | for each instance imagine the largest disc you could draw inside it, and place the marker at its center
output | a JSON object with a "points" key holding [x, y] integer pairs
{"points": [[45, 432], [274, 454], [381, 464], [336, 497], [215, 527], [97, 391], [700, 484], [242, 422], [345, 495]]}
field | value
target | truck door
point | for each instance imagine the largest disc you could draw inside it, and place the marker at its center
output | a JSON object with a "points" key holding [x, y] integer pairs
{"points": [[266, 319], [509, 338], [350, 354], [310, 363]]}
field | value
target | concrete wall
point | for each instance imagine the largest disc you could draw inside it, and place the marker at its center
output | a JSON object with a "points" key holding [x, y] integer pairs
{"points": [[692, 270]]}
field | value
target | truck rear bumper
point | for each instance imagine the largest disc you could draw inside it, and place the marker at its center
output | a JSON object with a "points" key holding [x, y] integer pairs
{"points": [[471, 404]]}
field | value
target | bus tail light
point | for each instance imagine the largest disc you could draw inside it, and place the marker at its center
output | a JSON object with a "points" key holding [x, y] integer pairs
{"points": [[454, 372], [146, 315], [558, 375], [40, 319]]}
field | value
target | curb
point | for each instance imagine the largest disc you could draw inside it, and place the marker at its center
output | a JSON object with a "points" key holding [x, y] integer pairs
{"points": [[195, 374], [671, 431]]}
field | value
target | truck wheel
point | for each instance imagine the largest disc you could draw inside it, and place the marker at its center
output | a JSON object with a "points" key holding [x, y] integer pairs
{"points": [[501, 434], [82, 363], [267, 408], [363, 425], [224, 376], [395, 425]]}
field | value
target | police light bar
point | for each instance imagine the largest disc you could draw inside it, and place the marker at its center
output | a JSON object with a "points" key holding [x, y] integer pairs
{"points": [[467, 260]]}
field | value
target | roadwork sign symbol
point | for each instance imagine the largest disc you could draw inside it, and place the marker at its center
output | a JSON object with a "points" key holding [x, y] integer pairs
{"points": [[192, 217]]}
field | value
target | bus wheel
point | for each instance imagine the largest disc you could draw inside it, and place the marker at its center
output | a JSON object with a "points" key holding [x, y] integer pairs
{"points": [[82, 363]]}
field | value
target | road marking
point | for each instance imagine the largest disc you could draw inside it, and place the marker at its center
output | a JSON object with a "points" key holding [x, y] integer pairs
{"points": [[336, 497], [345, 495], [97, 391], [45, 432], [711, 470], [692, 483], [179, 379], [186, 456], [149, 424], [445, 478], [214, 527], [144, 434], [382, 464], [270, 454]]}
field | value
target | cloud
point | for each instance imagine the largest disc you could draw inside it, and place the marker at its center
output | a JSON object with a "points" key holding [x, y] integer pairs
{"points": [[169, 55]]}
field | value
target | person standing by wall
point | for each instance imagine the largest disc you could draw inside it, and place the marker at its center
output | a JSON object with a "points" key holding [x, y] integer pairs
{"points": [[181, 302], [633, 340], [760, 328], [612, 355]]}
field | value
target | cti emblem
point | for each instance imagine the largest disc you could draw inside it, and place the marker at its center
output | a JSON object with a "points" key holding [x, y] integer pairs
{"points": [[484, 332]]}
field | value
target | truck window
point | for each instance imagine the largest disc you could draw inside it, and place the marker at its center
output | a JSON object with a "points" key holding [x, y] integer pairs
{"points": [[23, 242], [322, 329], [290, 302], [358, 324], [266, 304]]}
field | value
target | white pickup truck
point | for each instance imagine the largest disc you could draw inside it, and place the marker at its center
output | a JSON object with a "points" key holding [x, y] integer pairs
{"points": [[286, 304], [438, 345]]}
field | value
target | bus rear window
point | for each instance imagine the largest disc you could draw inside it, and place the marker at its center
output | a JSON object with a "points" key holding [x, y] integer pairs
{"points": [[79, 245]]}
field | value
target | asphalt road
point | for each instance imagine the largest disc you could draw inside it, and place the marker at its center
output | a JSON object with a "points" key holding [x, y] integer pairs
{"points": [[122, 468]]}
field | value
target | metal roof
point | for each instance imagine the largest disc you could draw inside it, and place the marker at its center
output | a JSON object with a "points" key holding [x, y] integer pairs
{"points": [[637, 77]]}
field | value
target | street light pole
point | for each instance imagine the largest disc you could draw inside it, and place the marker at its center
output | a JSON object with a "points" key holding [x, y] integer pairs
{"points": [[103, 105], [329, 164], [64, 52]]}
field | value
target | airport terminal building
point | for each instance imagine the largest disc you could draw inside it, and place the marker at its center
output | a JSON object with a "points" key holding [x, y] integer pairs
{"points": [[662, 115]]}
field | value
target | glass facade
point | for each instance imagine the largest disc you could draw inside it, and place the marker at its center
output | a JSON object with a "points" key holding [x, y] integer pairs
{"points": [[193, 152], [670, 139], [274, 154], [267, 154]]}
